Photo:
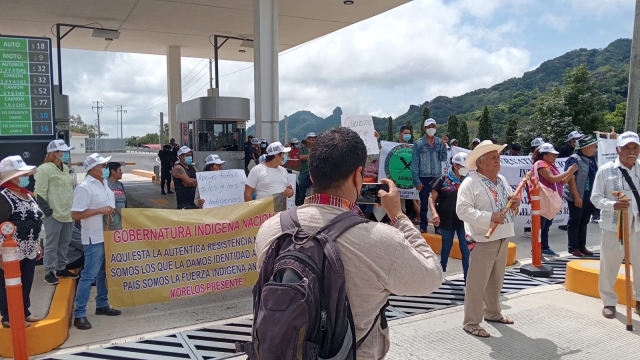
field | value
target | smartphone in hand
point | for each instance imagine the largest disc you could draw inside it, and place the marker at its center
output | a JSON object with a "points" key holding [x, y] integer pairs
{"points": [[369, 194]]}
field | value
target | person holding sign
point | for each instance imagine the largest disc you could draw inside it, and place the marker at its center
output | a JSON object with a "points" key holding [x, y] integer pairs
{"points": [[429, 152], [212, 163], [184, 179], [269, 177], [621, 175]]}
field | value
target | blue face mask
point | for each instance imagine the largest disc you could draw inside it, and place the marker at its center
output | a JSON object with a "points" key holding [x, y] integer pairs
{"points": [[263, 145], [105, 173], [24, 181], [65, 157], [406, 137], [286, 158], [188, 160]]}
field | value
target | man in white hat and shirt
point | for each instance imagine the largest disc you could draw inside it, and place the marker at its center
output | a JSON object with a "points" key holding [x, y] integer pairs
{"points": [[304, 181], [426, 164], [92, 200], [269, 177], [621, 174], [481, 197], [212, 163]]}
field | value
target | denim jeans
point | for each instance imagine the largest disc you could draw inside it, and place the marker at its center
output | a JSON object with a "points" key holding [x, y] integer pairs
{"points": [[94, 270], [577, 228], [304, 182], [545, 225], [56, 243], [27, 272], [424, 201], [447, 244]]}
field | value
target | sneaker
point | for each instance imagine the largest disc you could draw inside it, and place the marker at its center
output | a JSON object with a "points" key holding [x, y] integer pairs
{"points": [[51, 279], [170, 192], [526, 234], [66, 274], [549, 252]]}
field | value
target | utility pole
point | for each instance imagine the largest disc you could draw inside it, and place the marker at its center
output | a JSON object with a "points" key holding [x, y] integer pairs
{"points": [[633, 97], [98, 110], [120, 111]]}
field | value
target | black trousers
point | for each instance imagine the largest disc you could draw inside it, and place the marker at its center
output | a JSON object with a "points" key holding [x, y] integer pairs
{"points": [[76, 264], [27, 271], [165, 177], [577, 227]]}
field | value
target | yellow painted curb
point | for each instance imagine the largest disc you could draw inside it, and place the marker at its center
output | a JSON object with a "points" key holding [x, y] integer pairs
{"points": [[144, 173], [435, 241], [50, 332], [582, 278]]}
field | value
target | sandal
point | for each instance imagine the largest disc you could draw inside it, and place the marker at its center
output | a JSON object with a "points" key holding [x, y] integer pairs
{"points": [[33, 318], [504, 320], [478, 331], [6, 324]]}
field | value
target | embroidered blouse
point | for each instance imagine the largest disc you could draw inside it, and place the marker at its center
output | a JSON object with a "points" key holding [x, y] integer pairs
{"points": [[27, 217]]}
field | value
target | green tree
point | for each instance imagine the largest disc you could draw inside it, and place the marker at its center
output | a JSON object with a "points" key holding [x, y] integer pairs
{"points": [[584, 103], [426, 113], [453, 125], [551, 120], [77, 125], [463, 135], [485, 128], [390, 129], [616, 118], [512, 131]]}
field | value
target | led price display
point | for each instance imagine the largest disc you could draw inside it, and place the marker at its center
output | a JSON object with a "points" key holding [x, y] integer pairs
{"points": [[26, 102]]}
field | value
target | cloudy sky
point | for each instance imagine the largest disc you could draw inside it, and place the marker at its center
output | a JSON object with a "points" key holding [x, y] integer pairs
{"points": [[379, 66]]}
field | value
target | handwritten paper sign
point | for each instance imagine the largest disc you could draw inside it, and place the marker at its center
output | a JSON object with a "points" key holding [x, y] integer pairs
{"points": [[293, 179], [363, 125], [220, 188]]}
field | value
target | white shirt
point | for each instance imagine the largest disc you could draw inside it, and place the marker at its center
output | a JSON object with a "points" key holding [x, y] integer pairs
{"points": [[92, 194], [474, 206], [609, 179], [267, 181]]}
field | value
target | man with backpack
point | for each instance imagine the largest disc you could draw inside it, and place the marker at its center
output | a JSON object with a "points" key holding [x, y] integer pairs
{"points": [[326, 272]]}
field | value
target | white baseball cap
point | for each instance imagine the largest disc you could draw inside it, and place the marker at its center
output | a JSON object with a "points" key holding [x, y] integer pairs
{"points": [[262, 159], [476, 140], [429, 121], [276, 148], [58, 145], [537, 142], [548, 148], [295, 141], [459, 158], [311, 135], [214, 159], [574, 135], [452, 140], [628, 137], [263, 140], [95, 159], [12, 167], [255, 141], [184, 150]]}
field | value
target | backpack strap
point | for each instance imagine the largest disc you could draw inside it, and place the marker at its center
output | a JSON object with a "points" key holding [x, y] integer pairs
{"points": [[382, 315], [289, 220], [330, 232]]}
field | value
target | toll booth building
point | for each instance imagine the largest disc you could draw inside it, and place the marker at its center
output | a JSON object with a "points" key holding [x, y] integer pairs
{"points": [[215, 125]]}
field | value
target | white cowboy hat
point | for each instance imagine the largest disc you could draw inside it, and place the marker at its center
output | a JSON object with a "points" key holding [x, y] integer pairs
{"points": [[482, 148]]}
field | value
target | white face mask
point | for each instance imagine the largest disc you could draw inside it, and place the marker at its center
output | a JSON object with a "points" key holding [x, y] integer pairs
{"points": [[463, 171], [431, 131]]}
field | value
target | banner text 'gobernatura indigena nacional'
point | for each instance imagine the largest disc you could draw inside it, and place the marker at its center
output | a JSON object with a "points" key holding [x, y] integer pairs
{"points": [[162, 255]]}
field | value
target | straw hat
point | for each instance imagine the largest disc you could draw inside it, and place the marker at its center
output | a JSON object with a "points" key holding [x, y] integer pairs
{"points": [[12, 167], [482, 148]]}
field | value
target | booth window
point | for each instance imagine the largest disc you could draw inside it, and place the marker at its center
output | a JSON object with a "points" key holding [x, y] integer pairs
{"points": [[219, 136]]}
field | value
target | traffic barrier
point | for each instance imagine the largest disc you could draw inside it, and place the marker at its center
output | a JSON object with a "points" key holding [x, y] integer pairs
{"points": [[144, 173], [582, 278], [13, 284]]}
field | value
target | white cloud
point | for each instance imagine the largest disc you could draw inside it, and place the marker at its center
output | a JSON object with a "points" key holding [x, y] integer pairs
{"points": [[600, 7], [557, 22]]}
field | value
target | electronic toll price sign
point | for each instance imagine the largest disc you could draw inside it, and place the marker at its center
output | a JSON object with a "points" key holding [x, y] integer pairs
{"points": [[26, 101]]}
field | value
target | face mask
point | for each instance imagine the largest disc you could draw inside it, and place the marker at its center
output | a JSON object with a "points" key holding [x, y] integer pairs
{"points": [[463, 171], [105, 173], [263, 145], [65, 157], [406, 137], [24, 181], [285, 159], [431, 131], [188, 160], [297, 146]]}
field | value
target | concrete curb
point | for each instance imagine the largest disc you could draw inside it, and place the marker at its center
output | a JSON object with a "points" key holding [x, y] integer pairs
{"points": [[144, 173], [50, 332], [435, 241]]}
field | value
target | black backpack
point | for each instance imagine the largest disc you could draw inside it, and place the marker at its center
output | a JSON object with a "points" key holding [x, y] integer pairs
{"points": [[301, 310]]}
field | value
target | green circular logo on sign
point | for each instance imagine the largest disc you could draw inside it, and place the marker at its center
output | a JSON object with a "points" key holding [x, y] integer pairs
{"points": [[397, 166]]}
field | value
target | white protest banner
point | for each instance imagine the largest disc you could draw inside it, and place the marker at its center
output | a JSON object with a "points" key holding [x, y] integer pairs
{"points": [[606, 151], [514, 168], [222, 187], [457, 149], [363, 125], [293, 179], [395, 164]]}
